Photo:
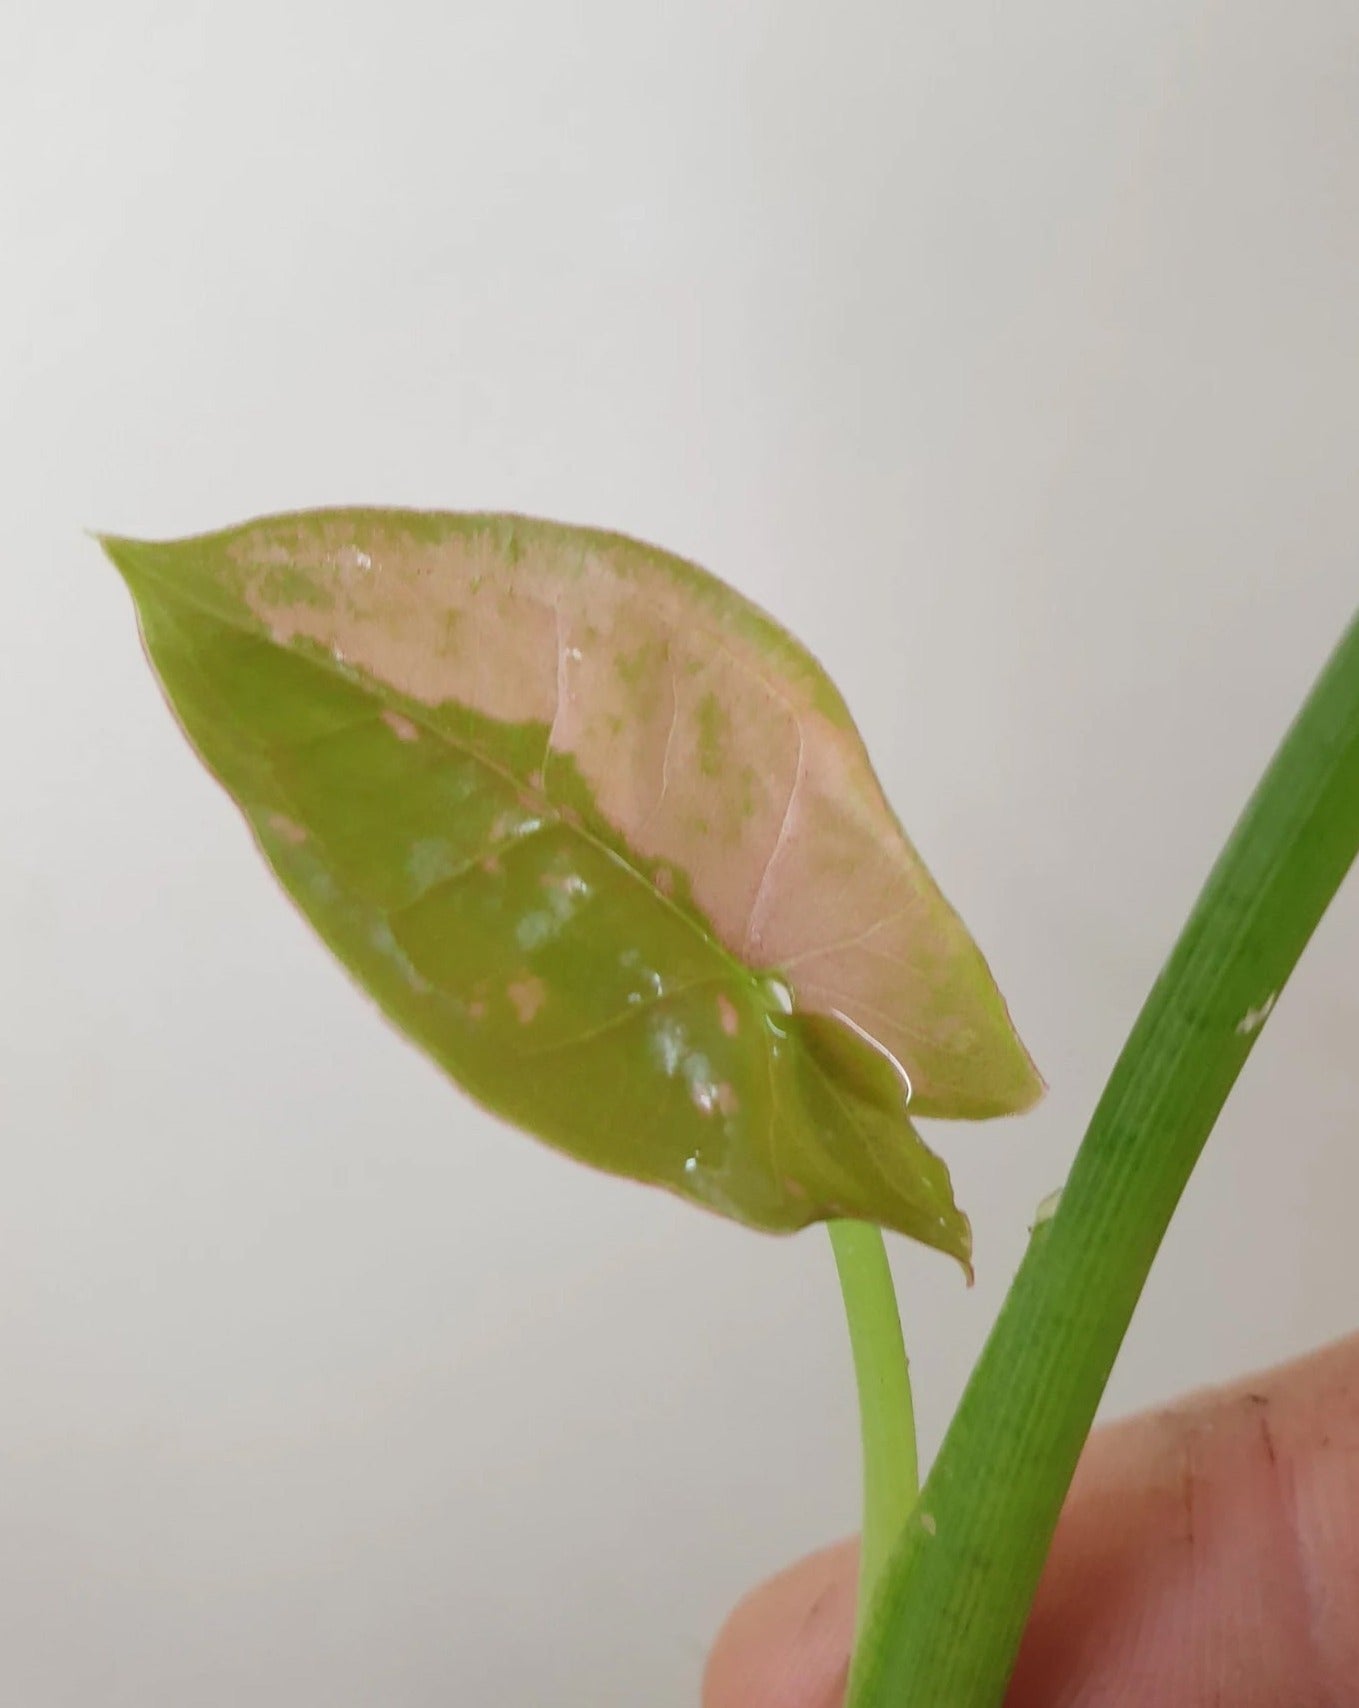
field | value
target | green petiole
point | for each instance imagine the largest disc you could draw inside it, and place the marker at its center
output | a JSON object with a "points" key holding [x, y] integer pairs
{"points": [[942, 1627], [891, 1475]]}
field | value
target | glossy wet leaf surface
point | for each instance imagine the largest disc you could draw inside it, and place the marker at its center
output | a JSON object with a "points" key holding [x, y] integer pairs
{"points": [[600, 837]]}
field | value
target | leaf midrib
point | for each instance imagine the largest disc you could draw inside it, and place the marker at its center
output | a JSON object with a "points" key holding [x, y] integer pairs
{"points": [[392, 700]]}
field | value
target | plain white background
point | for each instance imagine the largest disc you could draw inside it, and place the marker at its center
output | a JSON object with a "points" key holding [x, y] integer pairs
{"points": [[1011, 356]]}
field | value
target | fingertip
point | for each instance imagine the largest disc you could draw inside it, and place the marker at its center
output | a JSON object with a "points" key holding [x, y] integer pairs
{"points": [[787, 1645], [1207, 1548], [1210, 1551]]}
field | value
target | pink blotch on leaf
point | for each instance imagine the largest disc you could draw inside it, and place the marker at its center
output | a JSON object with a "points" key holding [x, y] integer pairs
{"points": [[527, 995], [402, 728], [287, 829]]}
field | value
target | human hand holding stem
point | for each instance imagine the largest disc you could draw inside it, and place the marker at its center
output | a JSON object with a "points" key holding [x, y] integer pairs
{"points": [[1208, 1555]]}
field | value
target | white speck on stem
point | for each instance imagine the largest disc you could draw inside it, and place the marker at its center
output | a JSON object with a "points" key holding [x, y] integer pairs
{"points": [[928, 1525], [1254, 1018], [1047, 1209]]}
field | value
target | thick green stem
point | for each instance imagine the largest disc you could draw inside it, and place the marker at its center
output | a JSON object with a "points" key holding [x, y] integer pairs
{"points": [[945, 1626], [891, 1475]]}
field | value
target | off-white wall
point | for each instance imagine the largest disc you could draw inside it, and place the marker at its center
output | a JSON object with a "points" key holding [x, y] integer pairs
{"points": [[1010, 355]]}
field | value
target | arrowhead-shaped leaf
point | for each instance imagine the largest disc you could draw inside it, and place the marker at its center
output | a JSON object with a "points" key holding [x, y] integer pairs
{"points": [[603, 839]]}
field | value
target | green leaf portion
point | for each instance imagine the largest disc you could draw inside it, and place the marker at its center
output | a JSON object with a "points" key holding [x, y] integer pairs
{"points": [[602, 839]]}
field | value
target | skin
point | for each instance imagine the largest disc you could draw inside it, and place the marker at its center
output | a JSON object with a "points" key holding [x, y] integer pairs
{"points": [[1208, 1557]]}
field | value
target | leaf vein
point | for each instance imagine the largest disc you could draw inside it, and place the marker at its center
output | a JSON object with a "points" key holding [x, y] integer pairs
{"points": [[497, 845], [624, 1017]]}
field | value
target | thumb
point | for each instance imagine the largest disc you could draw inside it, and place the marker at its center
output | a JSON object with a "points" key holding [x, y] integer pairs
{"points": [[1208, 1554]]}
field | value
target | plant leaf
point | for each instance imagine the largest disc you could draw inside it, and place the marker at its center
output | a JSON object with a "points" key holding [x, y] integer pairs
{"points": [[602, 838]]}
